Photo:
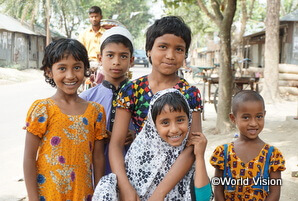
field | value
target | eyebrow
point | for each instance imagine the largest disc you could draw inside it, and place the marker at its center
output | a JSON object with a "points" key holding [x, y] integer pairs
{"points": [[64, 64], [165, 43], [114, 52]]}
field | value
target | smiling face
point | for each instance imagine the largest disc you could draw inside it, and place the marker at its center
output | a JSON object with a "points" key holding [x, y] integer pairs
{"points": [[116, 60], [68, 75], [172, 126], [167, 54], [249, 119]]}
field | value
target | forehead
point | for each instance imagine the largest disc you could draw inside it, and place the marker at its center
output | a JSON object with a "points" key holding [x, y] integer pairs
{"points": [[170, 39], [116, 47], [94, 15], [250, 107]]}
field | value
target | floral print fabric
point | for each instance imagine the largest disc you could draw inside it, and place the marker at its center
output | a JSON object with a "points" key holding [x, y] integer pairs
{"points": [[249, 170], [135, 96], [64, 163]]}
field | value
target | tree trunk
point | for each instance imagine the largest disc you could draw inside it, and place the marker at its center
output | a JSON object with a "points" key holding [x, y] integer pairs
{"points": [[270, 90], [223, 124], [47, 12]]}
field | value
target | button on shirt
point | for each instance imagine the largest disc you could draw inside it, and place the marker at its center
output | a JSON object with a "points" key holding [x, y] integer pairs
{"points": [[91, 40]]}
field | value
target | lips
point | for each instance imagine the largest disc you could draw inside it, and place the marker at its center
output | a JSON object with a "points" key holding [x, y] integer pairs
{"points": [[252, 131], [116, 70], [70, 83]]}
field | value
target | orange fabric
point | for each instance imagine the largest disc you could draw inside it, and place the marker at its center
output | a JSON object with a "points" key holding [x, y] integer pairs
{"points": [[249, 170], [64, 163]]}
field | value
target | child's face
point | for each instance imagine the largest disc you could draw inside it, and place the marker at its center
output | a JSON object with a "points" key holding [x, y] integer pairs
{"points": [[167, 54], [249, 119], [68, 74], [116, 60], [172, 126]]}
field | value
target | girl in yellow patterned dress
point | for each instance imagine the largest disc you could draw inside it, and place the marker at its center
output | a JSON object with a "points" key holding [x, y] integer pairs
{"points": [[64, 158], [248, 169]]}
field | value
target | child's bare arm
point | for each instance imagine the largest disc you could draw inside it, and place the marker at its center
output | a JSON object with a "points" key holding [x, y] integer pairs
{"points": [[181, 166], [199, 141], [120, 128], [219, 189], [29, 165], [274, 191], [98, 160]]}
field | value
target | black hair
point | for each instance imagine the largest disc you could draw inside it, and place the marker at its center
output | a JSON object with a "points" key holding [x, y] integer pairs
{"points": [[95, 9], [175, 102], [168, 25], [244, 96], [117, 38], [60, 49]]}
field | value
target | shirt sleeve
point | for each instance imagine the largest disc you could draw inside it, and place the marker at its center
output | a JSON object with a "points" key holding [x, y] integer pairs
{"points": [[81, 38], [100, 125], [37, 118], [217, 158], [193, 96], [204, 193], [125, 97], [277, 162], [84, 95]]}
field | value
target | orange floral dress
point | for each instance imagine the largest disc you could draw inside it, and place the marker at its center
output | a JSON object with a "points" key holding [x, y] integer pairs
{"points": [[64, 163], [247, 191]]}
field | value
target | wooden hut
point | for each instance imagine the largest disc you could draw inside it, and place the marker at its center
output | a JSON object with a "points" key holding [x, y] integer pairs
{"points": [[19, 45]]}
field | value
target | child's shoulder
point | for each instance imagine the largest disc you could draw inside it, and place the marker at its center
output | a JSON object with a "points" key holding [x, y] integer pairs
{"points": [[133, 84], [96, 105], [41, 102]]}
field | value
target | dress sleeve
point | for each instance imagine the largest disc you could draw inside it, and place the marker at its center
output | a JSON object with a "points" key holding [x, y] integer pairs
{"points": [[37, 118], [100, 125], [277, 162], [193, 96], [217, 158], [125, 97], [204, 193]]}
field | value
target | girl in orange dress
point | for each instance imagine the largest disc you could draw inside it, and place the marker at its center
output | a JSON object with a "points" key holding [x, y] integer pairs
{"points": [[248, 169], [64, 157]]}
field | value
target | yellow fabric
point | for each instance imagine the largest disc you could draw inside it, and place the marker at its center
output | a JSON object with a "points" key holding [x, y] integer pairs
{"points": [[249, 170], [64, 163], [91, 41]]}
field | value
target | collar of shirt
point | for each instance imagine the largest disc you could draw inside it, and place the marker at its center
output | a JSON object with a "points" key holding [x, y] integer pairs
{"points": [[107, 84], [101, 30]]}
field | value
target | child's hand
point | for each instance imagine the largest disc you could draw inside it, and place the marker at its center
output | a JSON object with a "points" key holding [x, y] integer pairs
{"points": [[199, 141], [130, 137]]}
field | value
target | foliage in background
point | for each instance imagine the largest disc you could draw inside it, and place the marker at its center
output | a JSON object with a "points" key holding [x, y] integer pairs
{"points": [[71, 16]]}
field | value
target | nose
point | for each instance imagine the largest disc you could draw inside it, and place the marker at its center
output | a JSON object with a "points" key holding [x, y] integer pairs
{"points": [[70, 74], [253, 122], [116, 61], [170, 54], [174, 128]]}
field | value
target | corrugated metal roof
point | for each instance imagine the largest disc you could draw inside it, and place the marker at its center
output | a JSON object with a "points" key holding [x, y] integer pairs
{"points": [[293, 16], [10, 24]]}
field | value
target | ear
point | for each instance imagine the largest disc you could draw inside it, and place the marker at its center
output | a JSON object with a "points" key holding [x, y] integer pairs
{"points": [[49, 72], [99, 58], [232, 118], [132, 59]]}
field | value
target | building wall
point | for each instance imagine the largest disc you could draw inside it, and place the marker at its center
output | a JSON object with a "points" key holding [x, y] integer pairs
{"points": [[21, 50], [5, 47]]}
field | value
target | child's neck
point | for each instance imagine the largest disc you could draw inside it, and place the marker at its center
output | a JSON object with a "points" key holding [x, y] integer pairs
{"points": [[160, 82], [70, 104], [116, 82]]}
